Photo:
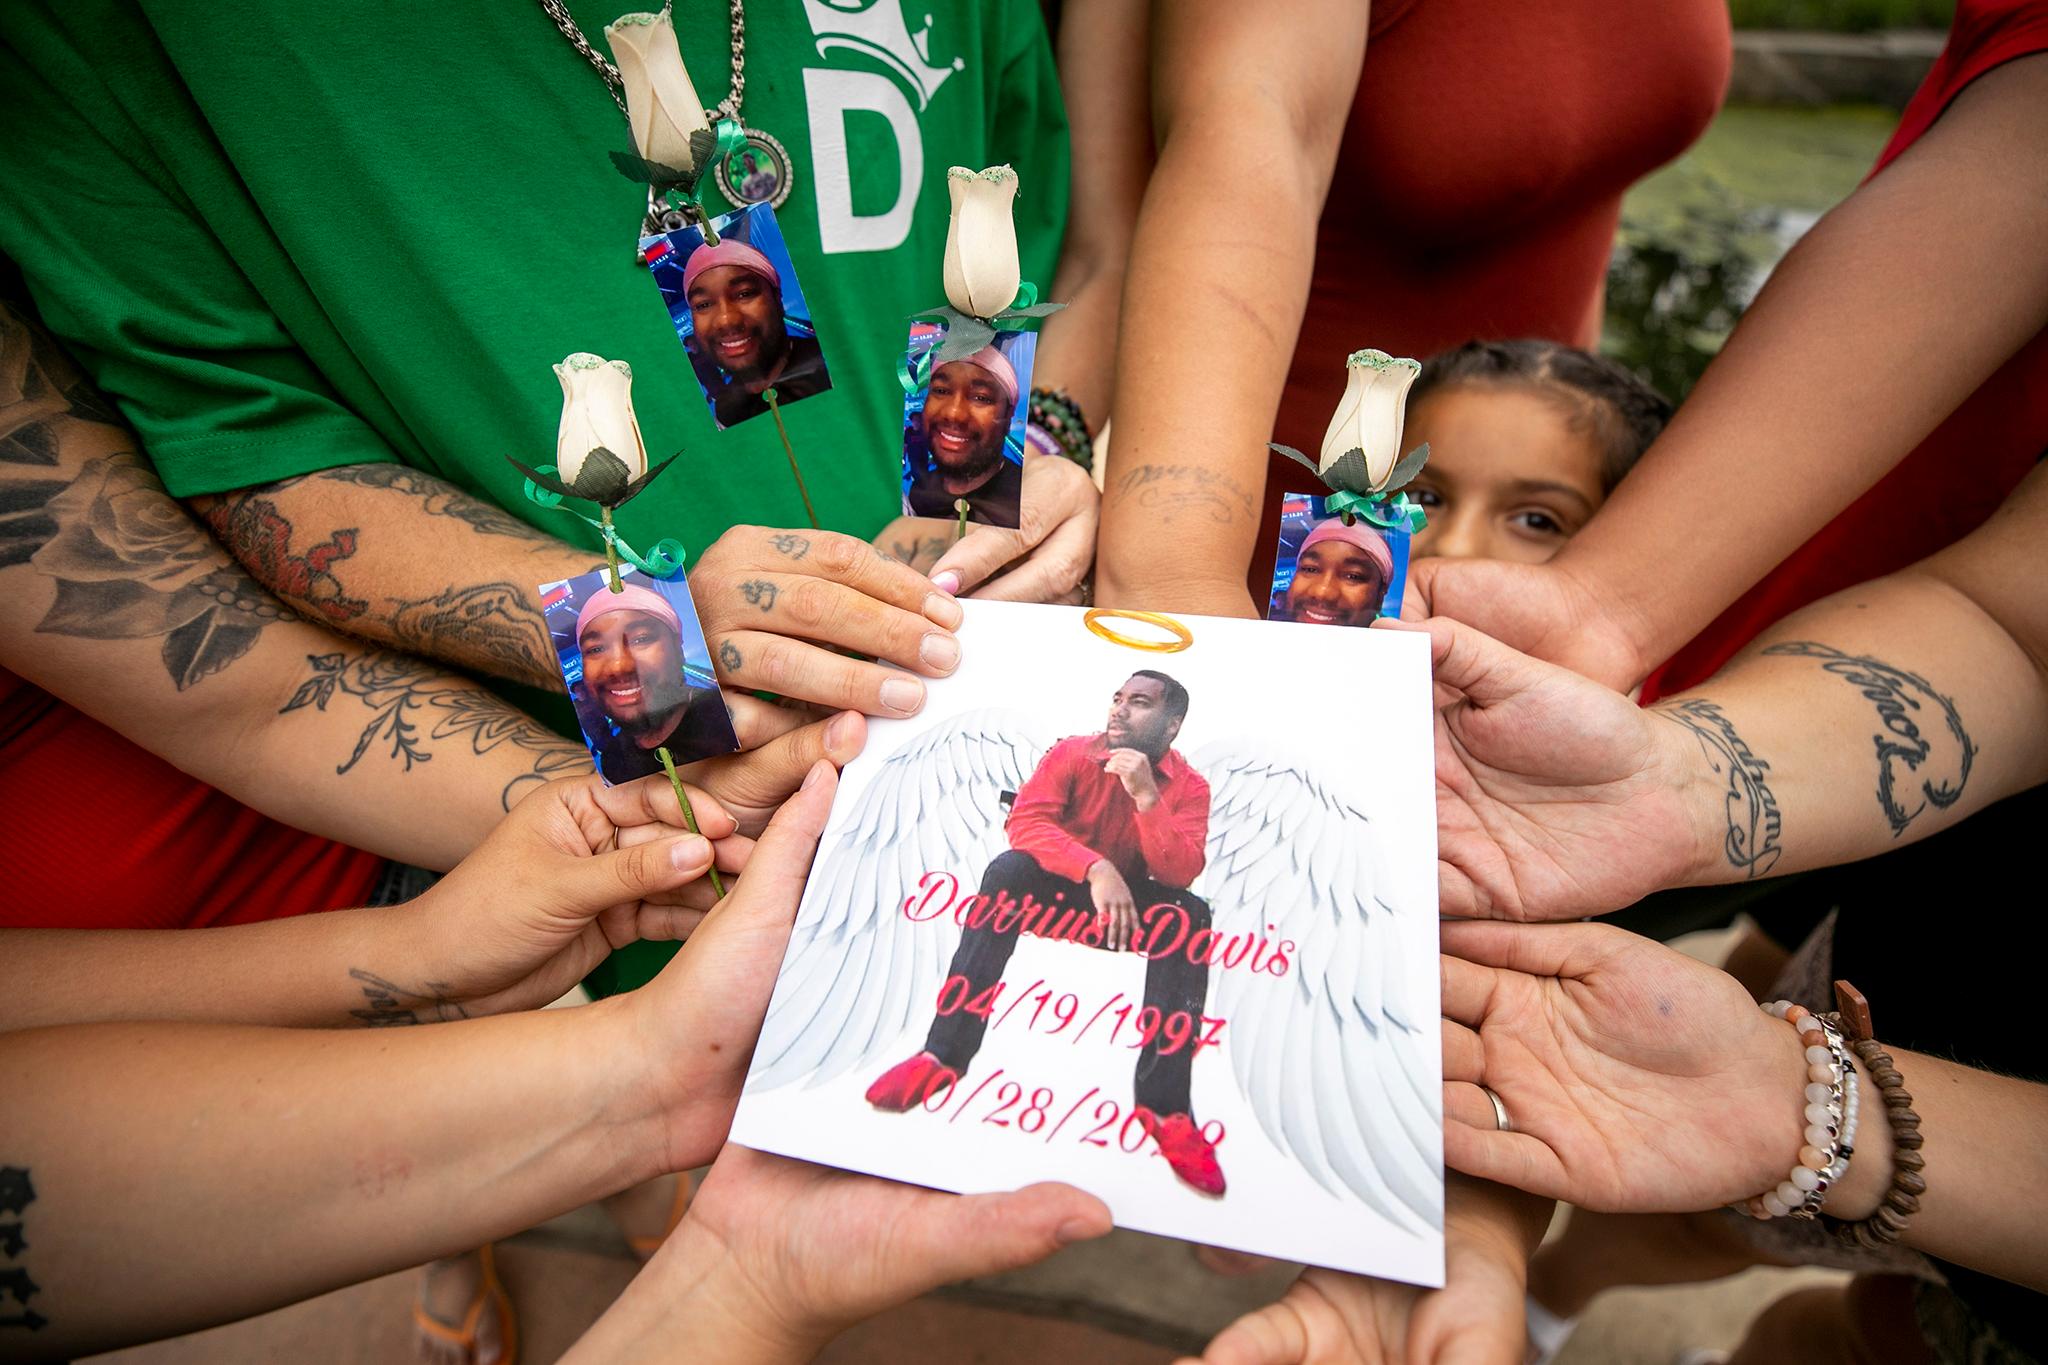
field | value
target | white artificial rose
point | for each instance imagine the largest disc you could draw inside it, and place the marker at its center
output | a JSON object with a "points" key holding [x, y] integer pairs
{"points": [[661, 103], [1370, 416], [982, 273], [597, 410]]}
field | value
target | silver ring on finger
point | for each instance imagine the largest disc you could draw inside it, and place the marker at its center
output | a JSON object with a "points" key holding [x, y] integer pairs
{"points": [[1500, 1111]]}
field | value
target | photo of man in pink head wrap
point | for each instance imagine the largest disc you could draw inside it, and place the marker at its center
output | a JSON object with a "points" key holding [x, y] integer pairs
{"points": [[639, 659], [1333, 573], [740, 313], [963, 431]]}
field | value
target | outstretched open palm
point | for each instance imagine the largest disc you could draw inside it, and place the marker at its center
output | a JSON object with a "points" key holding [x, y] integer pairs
{"points": [[1556, 798], [1635, 1079]]}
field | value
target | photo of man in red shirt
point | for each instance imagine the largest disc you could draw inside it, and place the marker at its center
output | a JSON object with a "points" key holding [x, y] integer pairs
{"points": [[1114, 825]]}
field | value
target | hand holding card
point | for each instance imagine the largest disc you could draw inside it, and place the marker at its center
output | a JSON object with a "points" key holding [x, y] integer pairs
{"points": [[1264, 1022]]}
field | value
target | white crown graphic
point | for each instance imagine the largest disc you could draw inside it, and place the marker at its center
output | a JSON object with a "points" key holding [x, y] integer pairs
{"points": [[875, 28]]}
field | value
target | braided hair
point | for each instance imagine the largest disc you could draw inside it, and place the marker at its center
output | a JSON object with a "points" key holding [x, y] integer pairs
{"points": [[1606, 400]]}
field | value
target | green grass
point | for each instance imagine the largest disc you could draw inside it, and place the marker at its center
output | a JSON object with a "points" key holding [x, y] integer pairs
{"points": [[1842, 16]]}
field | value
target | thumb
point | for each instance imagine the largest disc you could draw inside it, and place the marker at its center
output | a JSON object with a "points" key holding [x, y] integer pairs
{"points": [[1484, 670], [780, 861], [621, 876], [982, 1234], [976, 556]]}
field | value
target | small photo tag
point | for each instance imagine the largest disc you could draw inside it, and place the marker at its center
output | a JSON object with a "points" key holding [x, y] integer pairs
{"points": [[739, 310], [963, 427], [638, 672], [1330, 572]]}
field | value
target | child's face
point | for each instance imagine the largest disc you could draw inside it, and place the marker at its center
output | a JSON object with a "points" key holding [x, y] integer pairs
{"points": [[1508, 477]]}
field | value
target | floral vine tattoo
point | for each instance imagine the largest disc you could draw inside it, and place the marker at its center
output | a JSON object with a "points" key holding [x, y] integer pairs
{"points": [[1751, 843], [392, 1006], [1903, 748], [403, 696], [919, 553], [17, 1192]]}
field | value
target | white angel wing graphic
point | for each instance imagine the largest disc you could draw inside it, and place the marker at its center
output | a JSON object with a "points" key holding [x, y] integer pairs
{"points": [[857, 970], [1331, 1057]]}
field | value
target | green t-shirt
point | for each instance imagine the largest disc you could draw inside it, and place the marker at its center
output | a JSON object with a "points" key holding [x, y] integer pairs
{"points": [[291, 236]]}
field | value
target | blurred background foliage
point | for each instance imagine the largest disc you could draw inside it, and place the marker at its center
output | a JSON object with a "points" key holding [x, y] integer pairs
{"points": [[1842, 16]]}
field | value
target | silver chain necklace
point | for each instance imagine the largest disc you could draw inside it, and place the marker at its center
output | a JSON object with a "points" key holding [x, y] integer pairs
{"points": [[746, 184]]}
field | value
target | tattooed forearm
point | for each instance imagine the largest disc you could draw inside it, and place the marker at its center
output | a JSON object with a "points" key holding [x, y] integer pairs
{"points": [[498, 620], [387, 1005], [1903, 748], [412, 707], [791, 544], [388, 568], [258, 535], [729, 656], [437, 498], [17, 1192], [760, 592], [83, 509], [1751, 844], [1167, 489]]}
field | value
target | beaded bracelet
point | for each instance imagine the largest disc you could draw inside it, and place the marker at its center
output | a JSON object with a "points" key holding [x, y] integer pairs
{"points": [[1902, 1198], [1831, 1113], [1056, 417]]}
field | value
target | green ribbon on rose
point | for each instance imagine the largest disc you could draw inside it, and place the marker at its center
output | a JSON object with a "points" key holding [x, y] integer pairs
{"points": [[1392, 512]]}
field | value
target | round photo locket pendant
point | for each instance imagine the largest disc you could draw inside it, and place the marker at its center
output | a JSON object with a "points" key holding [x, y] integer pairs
{"points": [[759, 171]]}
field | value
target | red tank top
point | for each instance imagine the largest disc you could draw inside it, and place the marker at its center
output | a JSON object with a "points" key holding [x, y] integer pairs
{"points": [[101, 834], [1479, 183], [1956, 478]]}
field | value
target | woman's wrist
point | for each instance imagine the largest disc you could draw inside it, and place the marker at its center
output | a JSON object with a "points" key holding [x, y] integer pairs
{"points": [[1861, 1189]]}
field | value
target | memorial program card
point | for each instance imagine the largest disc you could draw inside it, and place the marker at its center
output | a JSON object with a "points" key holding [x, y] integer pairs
{"points": [[1158, 924]]}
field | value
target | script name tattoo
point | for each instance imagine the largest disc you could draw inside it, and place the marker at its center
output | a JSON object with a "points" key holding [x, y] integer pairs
{"points": [[729, 656], [791, 544], [388, 1005], [1754, 824], [1903, 748], [412, 707], [760, 592], [1167, 489], [17, 1192]]}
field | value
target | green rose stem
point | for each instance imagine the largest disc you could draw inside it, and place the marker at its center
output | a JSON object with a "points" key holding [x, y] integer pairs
{"points": [[960, 506], [611, 548], [775, 410], [668, 765]]}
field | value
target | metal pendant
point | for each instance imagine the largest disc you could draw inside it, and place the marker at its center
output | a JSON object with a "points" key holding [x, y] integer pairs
{"points": [[757, 172]]}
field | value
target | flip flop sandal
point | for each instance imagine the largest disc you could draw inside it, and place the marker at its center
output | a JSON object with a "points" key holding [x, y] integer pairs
{"points": [[490, 1293], [644, 1246]]}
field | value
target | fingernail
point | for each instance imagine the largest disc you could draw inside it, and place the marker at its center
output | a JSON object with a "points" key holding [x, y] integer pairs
{"points": [[903, 695], [835, 729], [811, 777], [947, 581], [1073, 1230], [942, 610], [692, 850], [940, 651]]}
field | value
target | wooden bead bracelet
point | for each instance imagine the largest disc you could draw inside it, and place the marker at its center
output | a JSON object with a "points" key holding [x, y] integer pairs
{"points": [[1909, 1182]]}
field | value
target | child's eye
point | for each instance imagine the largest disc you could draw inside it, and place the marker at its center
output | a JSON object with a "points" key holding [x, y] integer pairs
{"points": [[1427, 497], [1539, 523]]}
